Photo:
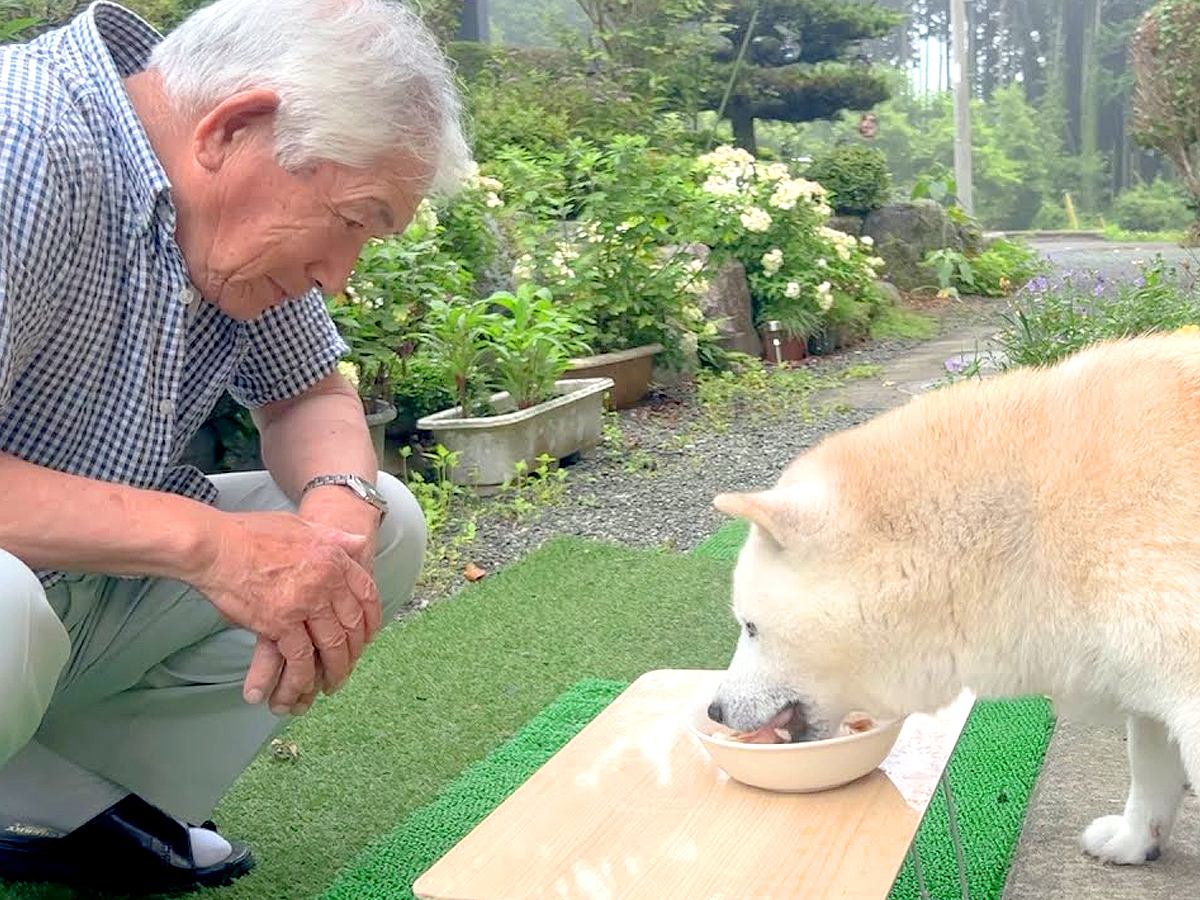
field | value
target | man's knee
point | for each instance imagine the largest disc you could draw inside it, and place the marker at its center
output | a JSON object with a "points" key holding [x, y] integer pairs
{"points": [[34, 647], [401, 551]]}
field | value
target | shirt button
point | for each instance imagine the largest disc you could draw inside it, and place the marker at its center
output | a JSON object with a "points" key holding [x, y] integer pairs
{"points": [[187, 295], [167, 407]]}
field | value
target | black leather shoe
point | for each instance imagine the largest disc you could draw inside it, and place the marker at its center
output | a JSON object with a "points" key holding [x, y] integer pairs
{"points": [[131, 847]]}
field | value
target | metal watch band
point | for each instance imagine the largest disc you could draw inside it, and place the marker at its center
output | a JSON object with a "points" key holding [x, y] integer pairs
{"points": [[358, 485]]}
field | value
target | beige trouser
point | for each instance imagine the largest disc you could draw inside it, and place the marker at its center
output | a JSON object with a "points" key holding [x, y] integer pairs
{"points": [[140, 681]]}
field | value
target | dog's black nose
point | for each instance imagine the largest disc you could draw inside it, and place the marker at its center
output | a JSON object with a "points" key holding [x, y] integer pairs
{"points": [[716, 712]]}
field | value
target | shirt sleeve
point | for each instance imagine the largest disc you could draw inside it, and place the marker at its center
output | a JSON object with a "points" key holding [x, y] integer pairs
{"points": [[35, 209], [289, 349]]}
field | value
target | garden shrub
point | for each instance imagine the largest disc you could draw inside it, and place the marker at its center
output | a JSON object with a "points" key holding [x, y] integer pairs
{"points": [[855, 176], [1051, 319], [1157, 206], [800, 270]]}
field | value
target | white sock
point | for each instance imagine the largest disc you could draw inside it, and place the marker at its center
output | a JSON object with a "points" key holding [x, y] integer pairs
{"points": [[208, 847]]}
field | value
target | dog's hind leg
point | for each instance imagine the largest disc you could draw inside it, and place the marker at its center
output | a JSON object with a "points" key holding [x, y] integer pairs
{"points": [[1155, 789]]}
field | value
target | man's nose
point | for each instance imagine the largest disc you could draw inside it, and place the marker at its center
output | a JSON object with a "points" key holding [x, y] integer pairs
{"points": [[331, 274]]}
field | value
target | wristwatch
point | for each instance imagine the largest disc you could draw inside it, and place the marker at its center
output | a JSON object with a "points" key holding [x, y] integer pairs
{"points": [[362, 488]]}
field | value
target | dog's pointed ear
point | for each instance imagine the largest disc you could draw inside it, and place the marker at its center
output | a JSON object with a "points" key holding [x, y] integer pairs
{"points": [[766, 509]]}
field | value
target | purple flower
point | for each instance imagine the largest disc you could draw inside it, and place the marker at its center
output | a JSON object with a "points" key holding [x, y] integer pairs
{"points": [[1139, 282], [955, 365], [1039, 285], [1099, 288]]}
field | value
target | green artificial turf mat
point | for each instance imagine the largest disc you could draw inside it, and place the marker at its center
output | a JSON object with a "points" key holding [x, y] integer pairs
{"points": [[992, 773], [388, 869], [725, 542]]}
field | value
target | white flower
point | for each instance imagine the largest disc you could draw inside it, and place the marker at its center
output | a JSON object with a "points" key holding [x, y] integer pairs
{"points": [[493, 200], [876, 262], [867, 240], [771, 171], [523, 270], [425, 217], [756, 220], [822, 263], [349, 371], [824, 296], [491, 184], [721, 187], [843, 251], [772, 261], [792, 291], [839, 238], [824, 210], [694, 313]]}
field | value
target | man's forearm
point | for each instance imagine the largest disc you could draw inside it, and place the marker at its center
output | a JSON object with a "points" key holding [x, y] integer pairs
{"points": [[321, 432], [51, 520]]}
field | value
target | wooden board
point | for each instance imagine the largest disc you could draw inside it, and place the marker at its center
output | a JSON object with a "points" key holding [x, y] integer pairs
{"points": [[633, 807]]}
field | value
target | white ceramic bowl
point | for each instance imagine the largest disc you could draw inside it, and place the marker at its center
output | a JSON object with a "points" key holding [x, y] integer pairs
{"points": [[799, 767]]}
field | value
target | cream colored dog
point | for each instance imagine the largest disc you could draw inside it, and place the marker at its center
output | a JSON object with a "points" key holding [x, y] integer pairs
{"points": [[1036, 533]]}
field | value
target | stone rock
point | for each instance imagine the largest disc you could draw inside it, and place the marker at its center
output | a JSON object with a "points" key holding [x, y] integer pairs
{"points": [[848, 224], [497, 274], [727, 304], [890, 293], [905, 233]]}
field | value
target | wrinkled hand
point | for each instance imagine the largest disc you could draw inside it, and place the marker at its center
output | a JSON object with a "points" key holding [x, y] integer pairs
{"points": [[298, 586]]}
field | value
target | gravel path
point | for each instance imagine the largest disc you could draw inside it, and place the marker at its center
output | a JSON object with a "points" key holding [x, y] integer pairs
{"points": [[655, 493]]}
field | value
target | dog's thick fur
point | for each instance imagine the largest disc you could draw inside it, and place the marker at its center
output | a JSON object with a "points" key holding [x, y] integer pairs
{"points": [[1035, 533]]}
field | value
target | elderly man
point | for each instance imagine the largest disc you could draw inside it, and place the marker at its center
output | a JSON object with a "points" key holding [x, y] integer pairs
{"points": [[173, 209]]}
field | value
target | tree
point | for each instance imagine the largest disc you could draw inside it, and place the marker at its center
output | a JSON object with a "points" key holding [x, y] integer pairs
{"points": [[1166, 62], [796, 67], [763, 59]]}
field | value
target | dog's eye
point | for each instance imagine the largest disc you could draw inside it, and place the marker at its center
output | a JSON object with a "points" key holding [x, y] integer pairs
{"points": [[751, 630]]}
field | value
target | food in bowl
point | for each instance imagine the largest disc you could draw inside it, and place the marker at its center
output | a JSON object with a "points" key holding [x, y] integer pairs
{"points": [[855, 723], [777, 760]]}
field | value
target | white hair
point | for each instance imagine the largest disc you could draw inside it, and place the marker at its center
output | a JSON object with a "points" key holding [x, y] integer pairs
{"points": [[356, 79]]}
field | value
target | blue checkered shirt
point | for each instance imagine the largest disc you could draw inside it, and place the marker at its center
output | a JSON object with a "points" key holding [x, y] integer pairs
{"points": [[109, 361]]}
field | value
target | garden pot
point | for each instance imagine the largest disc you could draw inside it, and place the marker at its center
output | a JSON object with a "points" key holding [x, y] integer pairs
{"points": [[822, 343], [629, 370], [780, 347], [490, 447], [379, 413]]}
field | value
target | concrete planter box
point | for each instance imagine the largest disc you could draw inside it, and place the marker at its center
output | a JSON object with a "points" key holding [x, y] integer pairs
{"points": [[491, 446], [378, 413], [630, 371]]}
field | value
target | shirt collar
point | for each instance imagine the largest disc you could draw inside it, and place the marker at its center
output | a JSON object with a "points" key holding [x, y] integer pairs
{"points": [[115, 44]]}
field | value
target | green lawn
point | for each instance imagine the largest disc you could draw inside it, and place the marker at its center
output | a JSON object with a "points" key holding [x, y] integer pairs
{"points": [[441, 690]]}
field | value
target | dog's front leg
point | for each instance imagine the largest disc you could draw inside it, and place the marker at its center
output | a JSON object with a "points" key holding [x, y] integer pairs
{"points": [[1156, 787]]}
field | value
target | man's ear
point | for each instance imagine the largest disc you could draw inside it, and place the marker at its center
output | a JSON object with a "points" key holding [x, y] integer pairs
{"points": [[774, 511], [219, 131]]}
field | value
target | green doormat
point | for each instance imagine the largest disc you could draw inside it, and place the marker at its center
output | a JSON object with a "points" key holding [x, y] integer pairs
{"points": [[389, 868], [992, 773]]}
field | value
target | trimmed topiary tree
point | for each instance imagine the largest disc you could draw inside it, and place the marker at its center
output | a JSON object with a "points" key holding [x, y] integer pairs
{"points": [[1166, 62]]}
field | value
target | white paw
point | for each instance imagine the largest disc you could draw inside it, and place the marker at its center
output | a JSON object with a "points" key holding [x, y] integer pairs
{"points": [[1110, 839]]}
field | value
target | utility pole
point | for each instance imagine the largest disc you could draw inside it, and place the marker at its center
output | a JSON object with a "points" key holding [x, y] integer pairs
{"points": [[474, 22], [960, 73]]}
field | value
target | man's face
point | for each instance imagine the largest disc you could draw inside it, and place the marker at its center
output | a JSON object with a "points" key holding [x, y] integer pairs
{"points": [[254, 234]]}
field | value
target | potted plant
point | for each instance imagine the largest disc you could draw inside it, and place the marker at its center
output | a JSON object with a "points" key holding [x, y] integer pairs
{"points": [[386, 296], [505, 357], [620, 262]]}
